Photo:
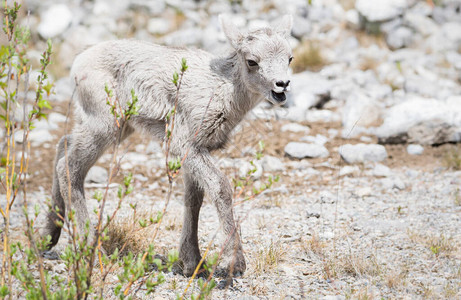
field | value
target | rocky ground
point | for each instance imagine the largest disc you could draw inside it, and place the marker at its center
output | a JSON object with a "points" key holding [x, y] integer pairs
{"points": [[368, 204]]}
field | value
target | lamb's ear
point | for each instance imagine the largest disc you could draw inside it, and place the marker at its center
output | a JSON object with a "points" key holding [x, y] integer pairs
{"points": [[284, 25], [233, 34]]}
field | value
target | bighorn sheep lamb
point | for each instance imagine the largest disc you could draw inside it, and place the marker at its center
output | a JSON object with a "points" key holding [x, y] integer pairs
{"points": [[255, 70]]}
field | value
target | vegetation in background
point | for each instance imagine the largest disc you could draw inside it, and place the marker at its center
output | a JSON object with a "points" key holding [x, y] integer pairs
{"points": [[308, 56]]}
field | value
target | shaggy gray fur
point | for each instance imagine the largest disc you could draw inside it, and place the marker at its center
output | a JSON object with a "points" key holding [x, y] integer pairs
{"points": [[234, 84]]}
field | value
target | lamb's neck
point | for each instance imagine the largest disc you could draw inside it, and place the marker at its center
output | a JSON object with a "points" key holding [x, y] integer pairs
{"points": [[242, 99]]}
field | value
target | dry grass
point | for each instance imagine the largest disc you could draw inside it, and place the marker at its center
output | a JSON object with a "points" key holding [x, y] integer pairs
{"points": [[271, 201], [315, 245], [347, 4], [395, 278], [439, 244], [257, 288], [126, 233], [452, 290], [268, 258], [308, 56], [359, 265], [369, 63], [452, 158]]}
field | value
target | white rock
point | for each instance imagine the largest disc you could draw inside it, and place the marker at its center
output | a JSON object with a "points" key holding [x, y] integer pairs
{"points": [[348, 170], [454, 58], [63, 89], [393, 183], [257, 24], [295, 127], [54, 21], [79, 38], [97, 175], [364, 192], [366, 139], [452, 31], [390, 26], [308, 89], [19, 136], [359, 111], [40, 136], [301, 27], [154, 147], [187, 37], [421, 86], [422, 24], [400, 38], [56, 118], [422, 121], [360, 153], [135, 158], [272, 164], [154, 7], [352, 18], [159, 26], [332, 133], [380, 10], [318, 139], [44, 124], [304, 150], [422, 8], [321, 116], [415, 149], [381, 170]]}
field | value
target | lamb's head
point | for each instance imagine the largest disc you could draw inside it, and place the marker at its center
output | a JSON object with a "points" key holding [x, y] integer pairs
{"points": [[265, 56]]}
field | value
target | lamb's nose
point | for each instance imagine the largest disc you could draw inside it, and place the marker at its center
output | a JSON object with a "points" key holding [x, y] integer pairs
{"points": [[282, 84]]}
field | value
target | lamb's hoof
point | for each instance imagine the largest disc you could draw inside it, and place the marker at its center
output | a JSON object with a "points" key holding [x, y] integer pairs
{"points": [[225, 283], [224, 273], [50, 254], [188, 271]]}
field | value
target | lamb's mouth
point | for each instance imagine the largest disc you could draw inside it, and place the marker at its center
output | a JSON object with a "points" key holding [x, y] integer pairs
{"points": [[278, 97]]}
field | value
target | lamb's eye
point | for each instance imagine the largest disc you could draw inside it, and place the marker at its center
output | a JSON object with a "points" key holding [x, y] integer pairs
{"points": [[252, 63], [290, 60]]}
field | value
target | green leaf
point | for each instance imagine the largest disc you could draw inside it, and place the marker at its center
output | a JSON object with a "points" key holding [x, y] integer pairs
{"points": [[98, 195], [4, 291], [175, 78], [183, 65]]}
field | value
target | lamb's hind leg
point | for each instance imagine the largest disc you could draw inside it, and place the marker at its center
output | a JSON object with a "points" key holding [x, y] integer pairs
{"points": [[57, 212], [189, 252], [89, 141]]}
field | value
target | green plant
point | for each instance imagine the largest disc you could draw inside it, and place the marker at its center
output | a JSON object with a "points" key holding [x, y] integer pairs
{"points": [[245, 186], [14, 85]]}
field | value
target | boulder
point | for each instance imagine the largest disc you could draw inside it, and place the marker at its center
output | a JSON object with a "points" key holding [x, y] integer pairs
{"points": [[54, 21], [380, 10], [97, 175], [422, 121], [304, 150], [401, 37], [361, 153], [415, 149], [295, 127], [359, 111]]}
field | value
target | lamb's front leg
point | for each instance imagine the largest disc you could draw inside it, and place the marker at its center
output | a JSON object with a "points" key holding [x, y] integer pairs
{"points": [[189, 252], [207, 175]]}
